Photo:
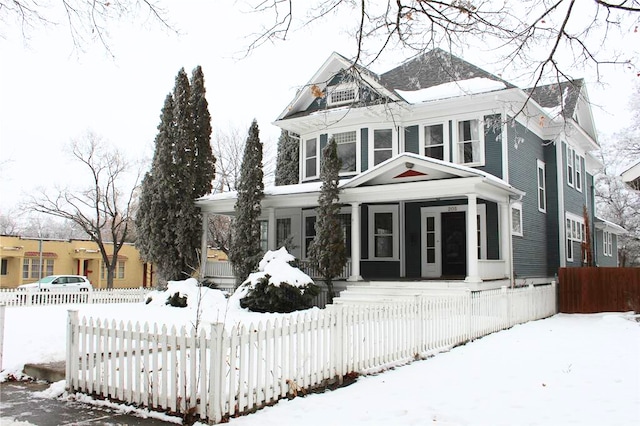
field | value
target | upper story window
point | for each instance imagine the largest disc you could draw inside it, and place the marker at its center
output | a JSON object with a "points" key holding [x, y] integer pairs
{"points": [[469, 142], [382, 145], [578, 167], [346, 142], [570, 165], [342, 94], [310, 158], [542, 187], [434, 141]]}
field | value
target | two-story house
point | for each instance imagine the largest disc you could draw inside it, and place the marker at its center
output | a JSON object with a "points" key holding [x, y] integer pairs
{"points": [[450, 175]]}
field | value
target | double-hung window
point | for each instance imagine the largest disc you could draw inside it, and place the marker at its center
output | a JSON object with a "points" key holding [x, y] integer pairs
{"points": [[542, 187], [346, 143], [383, 232], [264, 235], [574, 233], [382, 145], [570, 165], [578, 167], [469, 142], [283, 231], [434, 141], [607, 244], [310, 158], [516, 219]]}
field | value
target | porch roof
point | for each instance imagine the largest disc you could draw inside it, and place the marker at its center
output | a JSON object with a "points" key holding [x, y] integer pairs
{"points": [[405, 177]]}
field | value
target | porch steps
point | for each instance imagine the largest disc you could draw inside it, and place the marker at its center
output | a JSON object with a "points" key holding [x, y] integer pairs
{"points": [[396, 291]]}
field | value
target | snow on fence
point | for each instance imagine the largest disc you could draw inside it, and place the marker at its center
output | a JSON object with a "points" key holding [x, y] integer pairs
{"points": [[15, 297], [213, 373]]}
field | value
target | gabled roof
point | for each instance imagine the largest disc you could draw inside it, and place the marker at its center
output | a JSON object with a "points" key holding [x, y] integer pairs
{"points": [[562, 97], [409, 167], [434, 68]]}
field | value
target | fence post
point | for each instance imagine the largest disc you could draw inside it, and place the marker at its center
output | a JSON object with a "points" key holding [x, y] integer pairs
{"points": [[469, 314], [2, 310], [338, 340], [72, 348], [419, 326], [554, 296], [531, 304], [506, 307]]}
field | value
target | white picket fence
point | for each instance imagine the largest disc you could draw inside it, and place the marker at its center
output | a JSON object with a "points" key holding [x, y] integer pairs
{"points": [[213, 373], [15, 297]]}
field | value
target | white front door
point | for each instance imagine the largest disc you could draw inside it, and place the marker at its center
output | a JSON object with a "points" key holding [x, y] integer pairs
{"points": [[430, 244]]}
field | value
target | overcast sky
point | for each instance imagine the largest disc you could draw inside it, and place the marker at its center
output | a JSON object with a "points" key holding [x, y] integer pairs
{"points": [[51, 92]]}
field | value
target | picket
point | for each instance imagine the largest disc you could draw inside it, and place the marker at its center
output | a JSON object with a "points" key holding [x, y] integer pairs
{"points": [[16, 297], [215, 373]]}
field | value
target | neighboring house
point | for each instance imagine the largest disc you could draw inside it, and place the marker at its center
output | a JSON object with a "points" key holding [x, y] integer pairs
{"points": [[631, 176], [20, 260], [450, 175]]}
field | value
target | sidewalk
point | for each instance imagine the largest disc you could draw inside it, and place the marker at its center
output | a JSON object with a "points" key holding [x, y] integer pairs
{"points": [[18, 403]]}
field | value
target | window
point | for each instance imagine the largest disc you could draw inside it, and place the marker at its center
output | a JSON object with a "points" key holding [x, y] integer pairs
{"points": [[345, 223], [434, 141], [382, 145], [469, 142], [383, 232], [31, 268], [578, 167], [264, 235], [310, 158], [607, 243], [283, 231], [542, 198], [516, 219], [309, 233], [118, 272], [570, 170], [574, 233], [346, 143], [342, 94], [3, 266]]}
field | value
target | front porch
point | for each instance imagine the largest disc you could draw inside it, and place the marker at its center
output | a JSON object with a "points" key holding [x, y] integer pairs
{"points": [[440, 223]]}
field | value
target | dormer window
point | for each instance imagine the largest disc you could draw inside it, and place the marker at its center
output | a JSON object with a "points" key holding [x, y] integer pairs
{"points": [[342, 94]]}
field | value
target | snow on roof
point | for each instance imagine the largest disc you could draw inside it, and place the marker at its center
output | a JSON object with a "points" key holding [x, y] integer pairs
{"points": [[301, 188], [609, 226], [452, 89]]}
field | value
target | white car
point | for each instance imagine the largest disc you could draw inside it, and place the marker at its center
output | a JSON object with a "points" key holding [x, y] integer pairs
{"points": [[59, 282]]}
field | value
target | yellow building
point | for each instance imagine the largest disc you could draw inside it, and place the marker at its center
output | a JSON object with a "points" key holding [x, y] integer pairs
{"points": [[20, 262]]}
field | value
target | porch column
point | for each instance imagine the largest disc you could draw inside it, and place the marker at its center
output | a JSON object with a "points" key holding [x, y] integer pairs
{"points": [[271, 229], [355, 243], [204, 245], [472, 240], [505, 237]]}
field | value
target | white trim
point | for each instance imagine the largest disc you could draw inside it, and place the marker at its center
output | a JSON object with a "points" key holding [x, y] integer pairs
{"points": [[455, 140], [517, 206], [386, 208], [541, 185], [304, 157], [446, 154]]}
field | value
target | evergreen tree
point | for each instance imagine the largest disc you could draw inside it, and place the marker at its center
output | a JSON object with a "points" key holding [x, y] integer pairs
{"points": [[287, 160], [168, 221], [327, 249], [245, 252]]}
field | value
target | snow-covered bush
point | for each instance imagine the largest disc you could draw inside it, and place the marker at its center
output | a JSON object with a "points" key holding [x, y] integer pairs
{"points": [[278, 286], [184, 294]]}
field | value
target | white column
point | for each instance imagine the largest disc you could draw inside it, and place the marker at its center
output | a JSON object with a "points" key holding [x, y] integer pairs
{"points": [[472, 240], [204, 246], [355, 243], [505, 237], [271, 231]]}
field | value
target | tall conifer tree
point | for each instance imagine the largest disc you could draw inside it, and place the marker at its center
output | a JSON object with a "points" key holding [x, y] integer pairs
{"points": [[168, 221], [287, 160], [245, 249], [327, 249]]}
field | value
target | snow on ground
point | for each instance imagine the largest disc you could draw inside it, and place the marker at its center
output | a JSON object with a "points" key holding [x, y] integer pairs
{"points": [[568, 369]]}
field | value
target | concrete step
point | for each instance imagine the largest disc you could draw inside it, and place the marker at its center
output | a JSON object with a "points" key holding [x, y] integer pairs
{"points": [[49, 372]]}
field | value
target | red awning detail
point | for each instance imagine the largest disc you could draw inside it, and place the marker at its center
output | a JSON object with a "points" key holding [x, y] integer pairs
{"points": [[410, 173], [47, 254]]}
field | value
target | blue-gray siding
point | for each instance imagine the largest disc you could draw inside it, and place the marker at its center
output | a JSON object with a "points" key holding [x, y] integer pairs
{"points": [[530, 250]]}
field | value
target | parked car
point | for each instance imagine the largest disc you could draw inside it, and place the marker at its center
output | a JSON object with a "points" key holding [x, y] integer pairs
{"points": [[59, 282]]}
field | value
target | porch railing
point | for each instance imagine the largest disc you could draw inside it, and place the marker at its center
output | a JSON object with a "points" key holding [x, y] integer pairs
{"points": [[224, 269]]}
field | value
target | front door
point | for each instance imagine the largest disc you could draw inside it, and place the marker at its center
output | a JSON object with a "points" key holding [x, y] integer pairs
{"points": [[454, 244]]}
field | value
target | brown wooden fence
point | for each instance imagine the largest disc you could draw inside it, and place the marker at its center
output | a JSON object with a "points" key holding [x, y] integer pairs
{"points": [[590, 290]]}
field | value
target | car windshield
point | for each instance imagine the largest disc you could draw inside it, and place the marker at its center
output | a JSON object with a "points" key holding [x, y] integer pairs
{"points": [[46, 280]]}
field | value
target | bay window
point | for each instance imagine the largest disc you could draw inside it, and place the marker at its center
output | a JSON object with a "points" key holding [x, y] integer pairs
{"points": [[346, 144], [434, 141], [382, 145], [469, 142], [310, 158]]}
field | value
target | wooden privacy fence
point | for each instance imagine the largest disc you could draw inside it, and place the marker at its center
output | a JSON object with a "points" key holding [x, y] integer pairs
{"points": [[216, 372], [15, 297], [590, 290]]}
